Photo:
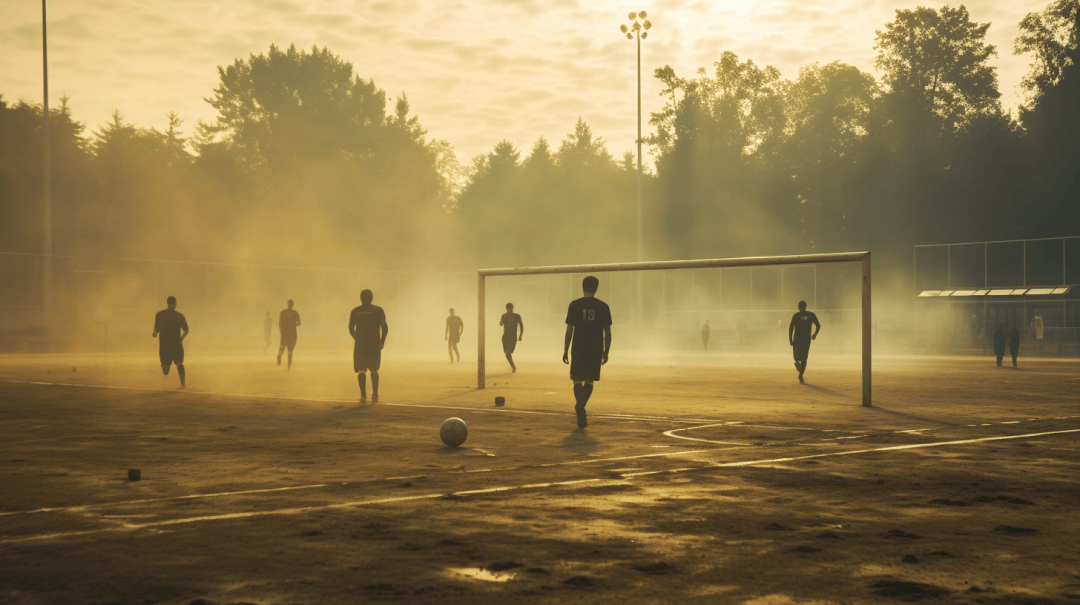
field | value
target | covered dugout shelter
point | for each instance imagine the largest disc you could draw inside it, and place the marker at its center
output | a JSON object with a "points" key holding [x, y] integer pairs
{"points": [[965, 290]]}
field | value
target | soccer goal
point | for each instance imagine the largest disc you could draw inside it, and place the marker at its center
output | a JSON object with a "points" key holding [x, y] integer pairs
{"points": [[803, 259]]}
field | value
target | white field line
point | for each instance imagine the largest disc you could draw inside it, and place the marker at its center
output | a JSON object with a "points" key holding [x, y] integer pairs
{"points": [[83, 507], [599, 481]]}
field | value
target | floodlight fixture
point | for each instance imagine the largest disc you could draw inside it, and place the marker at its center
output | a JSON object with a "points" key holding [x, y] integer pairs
{"points": [[647, 24], [642, 14], [633, 15], [622, 28]]}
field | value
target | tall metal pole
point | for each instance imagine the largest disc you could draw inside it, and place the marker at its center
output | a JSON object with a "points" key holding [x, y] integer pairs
{"points": [[639, 257], [638, 30], [47, 209], [640, 310]]}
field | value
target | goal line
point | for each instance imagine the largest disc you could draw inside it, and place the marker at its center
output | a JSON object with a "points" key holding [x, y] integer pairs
{"points": [[801, 259]]}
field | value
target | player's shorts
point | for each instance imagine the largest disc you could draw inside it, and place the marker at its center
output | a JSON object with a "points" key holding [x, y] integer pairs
{"points": [[585, 365], [171, 353], [801, 350], [454, 339], [509, 343], [288, 341], [366, 360]]}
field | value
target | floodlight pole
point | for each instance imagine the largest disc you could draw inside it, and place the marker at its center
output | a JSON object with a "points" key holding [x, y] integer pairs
{"points": [[638, 30], [639, 256], [47, 165]]}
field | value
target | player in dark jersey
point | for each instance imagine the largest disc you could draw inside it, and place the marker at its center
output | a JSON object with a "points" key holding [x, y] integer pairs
{"points": [[705, 334], [288, 321], [588, 329], [1014, 343], [999, 343], [268, 329], [170, 328], [511, 322], [454, 328], [367, 325], [799, 336]]}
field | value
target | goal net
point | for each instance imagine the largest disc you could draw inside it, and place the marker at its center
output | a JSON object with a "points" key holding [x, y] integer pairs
{"points": [[673, 294]]}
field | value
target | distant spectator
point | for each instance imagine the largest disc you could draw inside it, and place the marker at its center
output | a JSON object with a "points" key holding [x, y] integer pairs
{"points": [[1014, 343], [999, 344]]}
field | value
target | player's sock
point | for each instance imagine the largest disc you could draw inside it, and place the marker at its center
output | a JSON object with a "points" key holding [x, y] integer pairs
{"points": [[183, 375], [290, 360], [578, 392], [165, 370], [279, 352], [374, 386], [513, 368], [586, 392], [362, 379]]}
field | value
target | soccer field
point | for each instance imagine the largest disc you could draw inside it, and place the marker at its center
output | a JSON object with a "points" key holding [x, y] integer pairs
{"points": [[700, 478]]}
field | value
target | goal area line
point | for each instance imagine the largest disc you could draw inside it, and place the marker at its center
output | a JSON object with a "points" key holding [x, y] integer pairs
{"points": [[706, 263]]}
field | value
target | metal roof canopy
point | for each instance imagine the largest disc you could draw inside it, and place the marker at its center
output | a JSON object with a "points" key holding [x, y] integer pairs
{"points": [[1069, 277]]}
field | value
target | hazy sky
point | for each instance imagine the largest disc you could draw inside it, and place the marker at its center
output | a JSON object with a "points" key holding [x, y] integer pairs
{"points": [[476, 71]]}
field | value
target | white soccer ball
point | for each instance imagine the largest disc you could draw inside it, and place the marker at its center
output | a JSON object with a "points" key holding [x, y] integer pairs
{"points": [[453, 432]]}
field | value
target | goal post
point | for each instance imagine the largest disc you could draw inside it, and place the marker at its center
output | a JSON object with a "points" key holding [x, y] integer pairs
{"points": [[801, 259]]}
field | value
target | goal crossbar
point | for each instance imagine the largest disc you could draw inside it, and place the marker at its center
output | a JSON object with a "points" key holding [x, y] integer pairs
{"points": [[711, 263]]}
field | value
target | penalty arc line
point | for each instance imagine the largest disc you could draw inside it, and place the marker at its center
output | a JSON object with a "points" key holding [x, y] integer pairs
{"points": [[597, 480], [854, 452]]}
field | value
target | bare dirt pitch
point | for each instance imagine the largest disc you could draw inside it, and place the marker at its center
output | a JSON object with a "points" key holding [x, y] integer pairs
{"points": [[699, 479]]}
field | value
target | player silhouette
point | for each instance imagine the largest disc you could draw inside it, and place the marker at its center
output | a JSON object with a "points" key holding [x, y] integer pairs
{"points": [[511, 322], [367, 326], [1014, 343], [169, 324], [799, 336], [287, 324], [588, 329], [999, 343], [454, 328], [705, 335]]}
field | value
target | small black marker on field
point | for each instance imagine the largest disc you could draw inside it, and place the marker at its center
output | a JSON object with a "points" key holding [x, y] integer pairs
{"points": [[500, 401]]}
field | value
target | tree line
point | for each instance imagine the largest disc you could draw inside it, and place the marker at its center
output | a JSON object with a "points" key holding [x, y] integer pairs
{"points": [[308, 163]]}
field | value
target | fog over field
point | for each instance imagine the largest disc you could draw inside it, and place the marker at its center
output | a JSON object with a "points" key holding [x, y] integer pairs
{"points": [[312, 169]]}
